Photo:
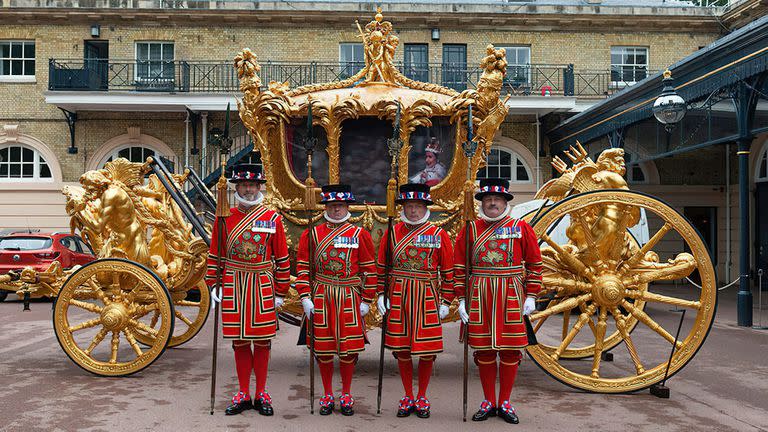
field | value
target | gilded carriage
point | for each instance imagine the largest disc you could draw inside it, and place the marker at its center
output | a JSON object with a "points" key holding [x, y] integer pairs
{"points": [[600, 278], [145, 292]]}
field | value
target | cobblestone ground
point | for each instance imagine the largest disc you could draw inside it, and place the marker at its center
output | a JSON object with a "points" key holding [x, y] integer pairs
{"points": [[724, 388]]}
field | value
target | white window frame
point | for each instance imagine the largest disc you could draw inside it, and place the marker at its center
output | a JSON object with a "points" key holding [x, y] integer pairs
{"points": [[37, 157], [510, 64], [23, 77], [630, 176], [114, 154], [345, 65], [625, 50], [762, 158], [515, 158], [138, 77]]}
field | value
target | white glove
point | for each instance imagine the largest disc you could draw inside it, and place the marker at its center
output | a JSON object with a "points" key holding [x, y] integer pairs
{"points": [[279, 302], [444, 311], [381, 305], [364, 309], [463, 312], [529, 306], [309, 307], [215, 295]]}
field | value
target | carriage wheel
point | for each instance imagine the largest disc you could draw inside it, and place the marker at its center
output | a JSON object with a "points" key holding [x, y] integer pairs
{"points": [[603, 279], [105, 300], [190, 312], [586, 348]]}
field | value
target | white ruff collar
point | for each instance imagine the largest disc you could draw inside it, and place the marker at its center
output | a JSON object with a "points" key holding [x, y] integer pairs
{"points": [[336, 221], [414, 223], [497, 218], [246, 203]]}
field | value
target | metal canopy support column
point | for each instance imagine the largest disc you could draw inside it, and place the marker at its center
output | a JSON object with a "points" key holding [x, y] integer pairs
{"points": [[745, 104]]}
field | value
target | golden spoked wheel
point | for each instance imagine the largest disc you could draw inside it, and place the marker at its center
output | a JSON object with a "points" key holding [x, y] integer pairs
{"points": [[599, 278], [97, 316], [576, 350], [189, 311]]}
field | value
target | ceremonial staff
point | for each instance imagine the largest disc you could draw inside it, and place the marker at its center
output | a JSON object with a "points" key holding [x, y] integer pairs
{"points": [[309, 204], [469, 147], [222, 213], [394, 145]]}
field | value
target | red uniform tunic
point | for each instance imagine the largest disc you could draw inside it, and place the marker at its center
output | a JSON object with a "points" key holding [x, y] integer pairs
{"points": [[344, 275], [421, 275], [256, 268], [498, 284]]}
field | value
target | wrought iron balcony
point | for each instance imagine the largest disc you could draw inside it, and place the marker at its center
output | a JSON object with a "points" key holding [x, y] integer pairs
{"points": [[183, 76]]}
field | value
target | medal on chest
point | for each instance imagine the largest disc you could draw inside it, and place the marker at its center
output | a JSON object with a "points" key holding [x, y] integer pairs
{"points": [[342, 242], [265, 226]]}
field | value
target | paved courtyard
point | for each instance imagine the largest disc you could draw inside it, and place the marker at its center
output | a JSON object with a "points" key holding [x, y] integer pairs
{"points": [[724, 388]]}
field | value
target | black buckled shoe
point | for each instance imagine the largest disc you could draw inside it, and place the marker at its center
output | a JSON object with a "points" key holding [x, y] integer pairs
{"points": [[346, 402], [406, 407], [326, 405], [508, 413], [422, 408], [263, 404], [486, 411], [240, 403]]}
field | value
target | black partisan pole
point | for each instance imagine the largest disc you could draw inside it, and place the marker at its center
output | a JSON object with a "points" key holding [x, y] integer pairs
{"points": [[394, 144], [309, 202], [222, 213], [661, 390], [470, 146]]}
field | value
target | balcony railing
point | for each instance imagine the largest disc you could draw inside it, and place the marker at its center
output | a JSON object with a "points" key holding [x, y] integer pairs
{"points": [[183, 76]]}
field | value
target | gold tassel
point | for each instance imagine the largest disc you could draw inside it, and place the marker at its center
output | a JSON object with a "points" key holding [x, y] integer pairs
{"points": [[222, 197]]}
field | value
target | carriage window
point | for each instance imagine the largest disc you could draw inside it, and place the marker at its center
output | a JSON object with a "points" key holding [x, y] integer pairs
{"points": [[431, 152], [363, 158], [507, 165], [295, 134]]}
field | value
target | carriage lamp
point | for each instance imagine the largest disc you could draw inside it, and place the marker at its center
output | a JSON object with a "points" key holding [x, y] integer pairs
{"points": [[435, 34], [95, 30], [669, 107]]}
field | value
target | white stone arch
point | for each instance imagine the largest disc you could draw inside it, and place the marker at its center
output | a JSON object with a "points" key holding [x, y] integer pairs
{"points": [[649, 171], [516, 147], [10, 135], [130, 139]]}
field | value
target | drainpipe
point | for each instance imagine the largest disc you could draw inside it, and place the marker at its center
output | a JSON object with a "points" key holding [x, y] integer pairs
{"points": [[186, 141], [728, 213], [203, 159], [538, 152]]}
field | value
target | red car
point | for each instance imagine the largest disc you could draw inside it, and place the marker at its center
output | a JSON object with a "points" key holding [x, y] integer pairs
{"points": [[38, 250]]}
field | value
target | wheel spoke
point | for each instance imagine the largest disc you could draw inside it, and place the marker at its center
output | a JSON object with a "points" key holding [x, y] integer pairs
{"points": [[583, 318], [648, 321], [567, 304], [84, 325], [187, 303], [568, 259], [566, 323], [637, 256], [99, 292], [565, 283], [621, 326], [142, 310], [115, 346], [96, 341], [132, 340], [85, 305], [601, 326], [183, 318], [660, 298], [143, 327], [155, 317]]}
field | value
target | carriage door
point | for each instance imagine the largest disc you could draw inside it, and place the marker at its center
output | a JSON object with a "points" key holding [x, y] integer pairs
{"points": [[455, 66], [96, 63], [761, 231]]}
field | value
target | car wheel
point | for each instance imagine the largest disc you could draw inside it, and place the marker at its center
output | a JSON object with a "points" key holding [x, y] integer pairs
{"points": [[3, 296]]}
